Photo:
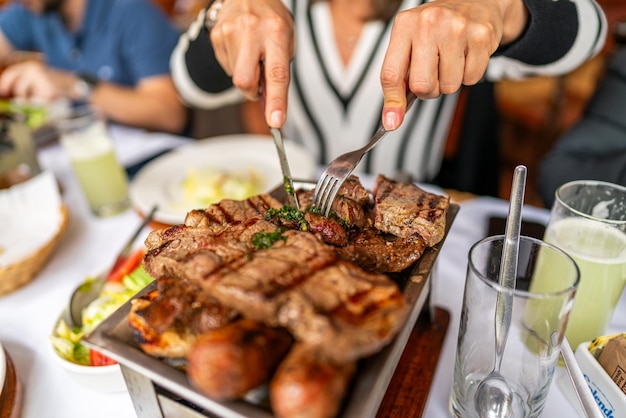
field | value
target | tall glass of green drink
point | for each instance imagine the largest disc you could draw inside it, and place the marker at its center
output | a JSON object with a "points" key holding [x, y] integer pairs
{"points": [[85, 138], [588, 221]]}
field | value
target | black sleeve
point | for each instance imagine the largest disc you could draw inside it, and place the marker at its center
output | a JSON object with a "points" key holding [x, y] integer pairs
{"points": [[199, 78], [200, 61], [552, 30]]}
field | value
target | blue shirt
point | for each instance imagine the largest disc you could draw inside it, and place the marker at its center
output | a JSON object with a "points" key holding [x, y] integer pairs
{"points": [[120, 41]]}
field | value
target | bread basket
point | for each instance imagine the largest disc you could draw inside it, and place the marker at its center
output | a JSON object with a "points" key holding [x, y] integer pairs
{"points": [[24, 271]]}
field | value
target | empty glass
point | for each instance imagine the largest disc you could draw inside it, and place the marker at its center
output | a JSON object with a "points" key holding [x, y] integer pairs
{"points": [[546, 283]]}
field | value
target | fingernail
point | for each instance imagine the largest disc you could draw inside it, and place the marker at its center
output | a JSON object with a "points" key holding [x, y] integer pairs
{"points": [[391, 120], [276, 119]]}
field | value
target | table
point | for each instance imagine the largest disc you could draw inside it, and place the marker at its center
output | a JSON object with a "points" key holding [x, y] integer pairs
{"points": [[90, 244]]}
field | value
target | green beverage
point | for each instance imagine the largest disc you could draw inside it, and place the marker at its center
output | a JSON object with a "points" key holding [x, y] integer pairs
{"points": [[600, 252], [103, 181]]}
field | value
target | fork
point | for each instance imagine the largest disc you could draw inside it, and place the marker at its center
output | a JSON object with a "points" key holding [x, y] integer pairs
{"points": [[338, 170]]}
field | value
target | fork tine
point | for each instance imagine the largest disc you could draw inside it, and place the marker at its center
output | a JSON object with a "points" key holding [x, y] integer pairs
{"points": [[317, 193], [321, 188], [328, 195]]}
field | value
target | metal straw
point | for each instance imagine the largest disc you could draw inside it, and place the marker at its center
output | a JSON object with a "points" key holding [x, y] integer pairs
{"points": [[580, 385]]}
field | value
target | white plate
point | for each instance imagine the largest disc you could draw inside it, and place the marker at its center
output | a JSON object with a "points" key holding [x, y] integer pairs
{"points": [[160, 181]]}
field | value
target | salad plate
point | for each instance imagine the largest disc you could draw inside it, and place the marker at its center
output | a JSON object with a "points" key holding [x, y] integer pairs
{"points": [[87, 367], [245, 162]]}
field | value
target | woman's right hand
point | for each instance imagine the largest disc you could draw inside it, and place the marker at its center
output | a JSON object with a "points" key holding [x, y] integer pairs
{"points": [[248, 32]]}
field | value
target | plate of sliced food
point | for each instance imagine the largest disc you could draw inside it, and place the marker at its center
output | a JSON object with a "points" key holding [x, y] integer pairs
{"points": [[209, 170], [262, 310]]}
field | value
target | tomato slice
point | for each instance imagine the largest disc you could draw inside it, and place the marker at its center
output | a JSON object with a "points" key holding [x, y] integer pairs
{"points": [[98, 359], [126, 266]]}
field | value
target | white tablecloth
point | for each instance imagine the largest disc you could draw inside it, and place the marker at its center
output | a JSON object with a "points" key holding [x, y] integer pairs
{"points": [[90, 245]]}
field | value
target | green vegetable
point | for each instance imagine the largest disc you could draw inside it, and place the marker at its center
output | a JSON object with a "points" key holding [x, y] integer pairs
{"points": [[137, 280], [288, 186], [288, 213], [262, 240], [66, 341]]}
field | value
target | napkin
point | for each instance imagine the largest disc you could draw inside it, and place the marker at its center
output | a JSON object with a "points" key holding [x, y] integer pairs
{"points": [[30, 213]]}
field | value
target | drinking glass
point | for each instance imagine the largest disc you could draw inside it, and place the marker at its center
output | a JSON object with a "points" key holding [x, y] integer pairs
{"points": [[588, 221], [18, 151], [538, 318], [85, 138]]}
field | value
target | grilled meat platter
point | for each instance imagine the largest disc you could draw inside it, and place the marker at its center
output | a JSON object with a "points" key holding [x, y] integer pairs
{"points": [[255, 293]]}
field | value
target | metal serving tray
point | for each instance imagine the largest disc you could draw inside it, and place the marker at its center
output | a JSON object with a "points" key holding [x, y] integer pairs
{"points": [[160, 389]]}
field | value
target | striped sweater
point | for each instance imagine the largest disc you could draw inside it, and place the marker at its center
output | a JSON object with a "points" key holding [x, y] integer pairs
{"points": [[334, 108]]}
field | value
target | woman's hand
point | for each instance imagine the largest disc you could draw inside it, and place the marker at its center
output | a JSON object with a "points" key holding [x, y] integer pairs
{"points": [[248, 32], [439, 46]]}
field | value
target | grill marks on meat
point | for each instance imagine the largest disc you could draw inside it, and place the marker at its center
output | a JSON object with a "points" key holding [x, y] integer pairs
{"points": [[228, 211], [255, 285], [343, 311], [405, 210], [195, 253]]}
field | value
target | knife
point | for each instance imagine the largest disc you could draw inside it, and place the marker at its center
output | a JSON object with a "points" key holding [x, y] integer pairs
{"points": [[280, 147], [284, 166]]}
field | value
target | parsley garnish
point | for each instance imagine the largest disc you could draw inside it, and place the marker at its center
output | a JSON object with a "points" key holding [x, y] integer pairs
{"points": [[263, 240]]}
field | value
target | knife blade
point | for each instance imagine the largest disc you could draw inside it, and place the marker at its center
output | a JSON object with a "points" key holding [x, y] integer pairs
{"points": [[284, 166]]}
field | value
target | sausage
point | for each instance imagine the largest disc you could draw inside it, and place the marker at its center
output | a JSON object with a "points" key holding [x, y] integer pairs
{"points": [[306, 385], [227, 362]]}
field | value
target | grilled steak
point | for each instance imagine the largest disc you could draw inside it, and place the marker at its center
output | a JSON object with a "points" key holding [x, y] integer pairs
{"points": [[194, 253], [330, 230], [299, 284], [321, 279], [228, 211], [351, 204], [375, 251], [405, 210], [343, 311]]}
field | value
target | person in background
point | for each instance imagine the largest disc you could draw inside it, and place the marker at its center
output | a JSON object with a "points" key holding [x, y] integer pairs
{"points": [[331, 58], [113, 54], [594, 148]]}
